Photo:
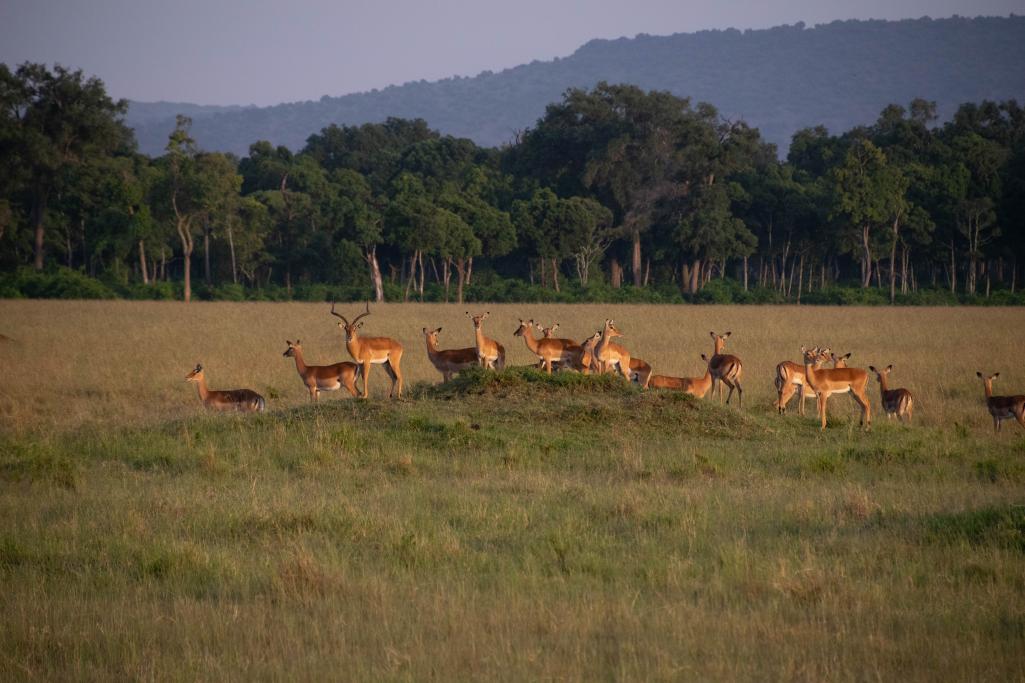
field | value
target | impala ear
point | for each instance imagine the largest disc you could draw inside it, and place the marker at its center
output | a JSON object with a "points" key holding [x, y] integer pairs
{"points": [[297, 342], [995, 375], [424, 330], [704, 358], [468, 314], [438, 330], [978, 374], [727, 335], [712, 335], [872, 368], [846, 355], [889, 367], [555, 327], [359, 325], [803, 350]]}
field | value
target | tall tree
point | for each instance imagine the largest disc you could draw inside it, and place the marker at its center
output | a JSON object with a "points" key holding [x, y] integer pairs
{"points": [[54, 120]]}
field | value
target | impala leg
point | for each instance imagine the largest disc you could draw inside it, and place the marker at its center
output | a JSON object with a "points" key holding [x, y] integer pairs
{"points": [[866, 414], [822, 410], [395, 364], [314, 393], [548, 365], [784, 391], [391, 373], [801, 397], [349, 380], [1020, 417], [730, 384], [366, 378]]}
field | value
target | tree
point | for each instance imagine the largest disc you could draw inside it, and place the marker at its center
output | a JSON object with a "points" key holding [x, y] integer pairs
{"points": [[588, 232], [868, 192], [54, 121], [195, 187]]}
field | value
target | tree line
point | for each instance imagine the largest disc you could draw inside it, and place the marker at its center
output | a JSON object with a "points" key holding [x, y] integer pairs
{"points": [[614, 188]]}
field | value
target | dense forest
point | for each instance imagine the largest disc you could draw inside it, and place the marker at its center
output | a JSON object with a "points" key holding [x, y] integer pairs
{"points": [[615, 194], [779, 80]]}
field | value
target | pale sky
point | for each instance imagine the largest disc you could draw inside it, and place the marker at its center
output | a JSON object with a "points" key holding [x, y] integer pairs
{"points": [[262, 52]]}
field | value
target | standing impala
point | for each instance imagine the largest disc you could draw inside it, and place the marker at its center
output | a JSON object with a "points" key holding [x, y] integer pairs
{"points": [[1002, 407], [583, 360], [726, 369], [836, 381], [369, 351], [695, 386], [241, 400], [490, 354], [448, 361], [609, 354], [318, 378], [790, 379], [548, 349], [895, 401]]}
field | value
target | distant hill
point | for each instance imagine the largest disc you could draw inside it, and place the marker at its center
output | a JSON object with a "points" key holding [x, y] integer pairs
{"points": [[782, 79]]}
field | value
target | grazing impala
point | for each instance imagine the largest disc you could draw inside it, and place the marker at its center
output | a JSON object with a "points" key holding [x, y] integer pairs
{"points": [[640, 371], [695, 386], [240, 400], [318, 378], [790, 379], [548, 349], [609, 354], [367, 351], [895, 401], [449, 361], [836, 381], [1002, 407], [490, 354], [726, 369]]}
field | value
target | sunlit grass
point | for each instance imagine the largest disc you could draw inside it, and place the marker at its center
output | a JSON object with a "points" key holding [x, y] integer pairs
{"points": [[510, 527]]}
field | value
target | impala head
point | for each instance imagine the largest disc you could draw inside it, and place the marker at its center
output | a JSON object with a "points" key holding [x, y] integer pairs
{"points": [[431, 335], [196, 375], [813, 356], [880, 374], [987, 380], [839, 361], [350, 328], [478, 319], [590, 342], [546, 332], [523, 329], [720, 340], [611, 330], [705, 358], [290, 351]]}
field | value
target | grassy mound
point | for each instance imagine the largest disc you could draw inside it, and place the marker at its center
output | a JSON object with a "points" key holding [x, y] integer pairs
{"points": [[528, 381]]}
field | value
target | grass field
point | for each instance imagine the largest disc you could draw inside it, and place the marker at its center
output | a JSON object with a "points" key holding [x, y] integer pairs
{"points": [[503, 527]]}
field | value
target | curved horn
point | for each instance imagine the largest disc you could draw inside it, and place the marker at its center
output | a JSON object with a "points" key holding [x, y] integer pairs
{"points": [[362, 315], [338, 315]]}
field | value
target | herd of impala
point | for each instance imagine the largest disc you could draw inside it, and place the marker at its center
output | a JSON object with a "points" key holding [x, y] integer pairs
{"points": [[598, 354]]}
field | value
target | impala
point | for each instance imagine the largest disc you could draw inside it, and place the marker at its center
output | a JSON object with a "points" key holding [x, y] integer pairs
{"points": [[367, 351], [490, 354], [583, 359], [1002, 407], [836, 381], [640, 372], [318, 378], [548, 349], [449, 361], [790, 379], [896, 402], [695, 386], [241, 400], [609, 354], [726, 369]]}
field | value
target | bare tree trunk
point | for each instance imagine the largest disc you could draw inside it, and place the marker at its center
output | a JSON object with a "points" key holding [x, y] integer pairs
{"points": [[412, 275], [206, 254], [555, 273], [800, 278], [39, 225], [866, 258], [953, 269], [695, 276], [647, 271], [142, 262], [616, 273], [635, 263], [745, 273], [460, 279], [434, 267], [469, 271], [370, 255], [231, 250], [421, 276], [445, 273]]}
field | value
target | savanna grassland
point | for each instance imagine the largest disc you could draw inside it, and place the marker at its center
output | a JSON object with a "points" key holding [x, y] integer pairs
{"points": [[503, 527]]}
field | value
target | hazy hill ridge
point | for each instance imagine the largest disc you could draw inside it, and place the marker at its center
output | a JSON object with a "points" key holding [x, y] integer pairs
{"points": [[782, 79]]}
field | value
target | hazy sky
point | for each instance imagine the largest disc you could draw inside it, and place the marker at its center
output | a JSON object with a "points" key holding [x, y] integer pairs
{"points": [[261, 52]]}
